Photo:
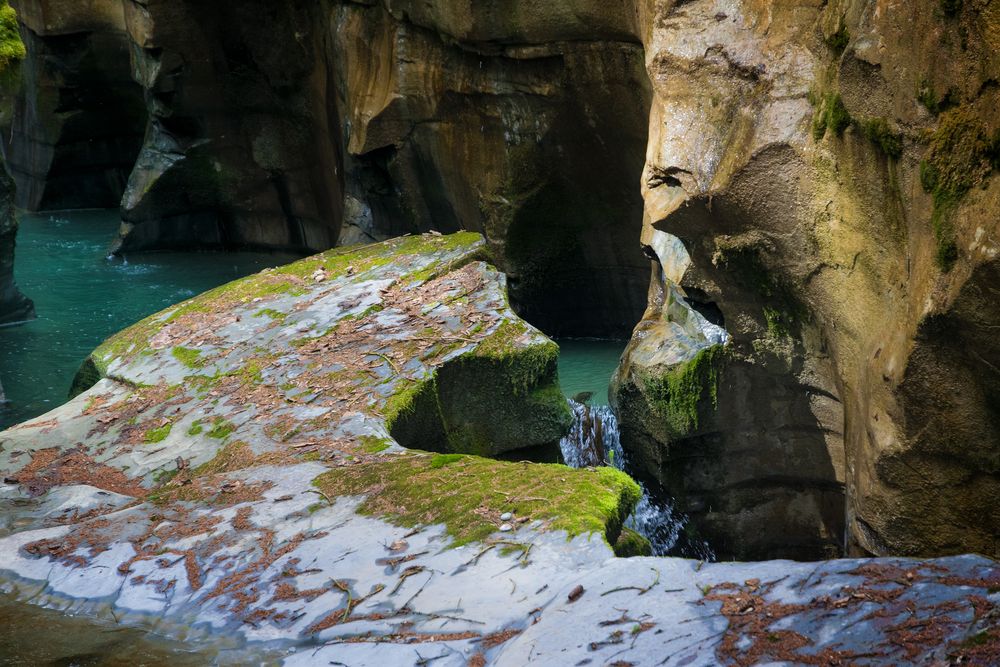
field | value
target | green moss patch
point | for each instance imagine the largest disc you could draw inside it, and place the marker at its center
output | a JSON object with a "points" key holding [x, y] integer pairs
{"points": [[468, 493], [221, 429], [877, 131], [158, 434], [188, 357], [678, 396], [961, 154], [830, 114], [631, 543]]}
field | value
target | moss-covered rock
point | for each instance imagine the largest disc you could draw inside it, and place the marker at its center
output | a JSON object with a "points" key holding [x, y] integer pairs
{"points": [[421, 489]]}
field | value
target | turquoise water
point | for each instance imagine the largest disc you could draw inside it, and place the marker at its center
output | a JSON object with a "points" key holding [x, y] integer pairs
{"points": [[82, 298], [587, 366]]}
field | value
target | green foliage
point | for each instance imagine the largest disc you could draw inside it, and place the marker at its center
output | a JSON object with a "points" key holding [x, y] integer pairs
{"points": [[961, 154], [419, 489], [678, 395], [838, 41], [830, 114], [158, 434], [877, 131], [11, 47], [196, 429]]}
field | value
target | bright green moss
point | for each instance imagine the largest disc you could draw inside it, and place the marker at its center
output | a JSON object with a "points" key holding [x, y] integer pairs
{"points": [[441, 460], [631, 543], [678, 395], [525, 366], [221, 429], [196, 429], [373, 444], [420, 489], [158, 434], [275, 315], [188, 357], [11, 47]]}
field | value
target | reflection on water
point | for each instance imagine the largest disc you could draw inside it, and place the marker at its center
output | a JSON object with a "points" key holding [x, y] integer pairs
{"points": [[82, 298], [35, 637]]}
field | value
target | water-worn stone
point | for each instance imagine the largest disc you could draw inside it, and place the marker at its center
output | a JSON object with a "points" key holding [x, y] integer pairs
{"points": [[828, 168], [232, 479]]}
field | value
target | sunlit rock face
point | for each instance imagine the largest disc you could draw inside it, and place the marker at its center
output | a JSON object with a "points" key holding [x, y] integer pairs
{"points": [[858, 386], [79, 117]]}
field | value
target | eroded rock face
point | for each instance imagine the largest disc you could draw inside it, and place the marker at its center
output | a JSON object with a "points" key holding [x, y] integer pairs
{"points": [[527, 124], [828, 169], [79, 118], [14, 306], [241, 149]]}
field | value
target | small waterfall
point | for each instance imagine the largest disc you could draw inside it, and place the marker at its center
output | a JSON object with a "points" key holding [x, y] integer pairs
{"points": [[594, 440]]}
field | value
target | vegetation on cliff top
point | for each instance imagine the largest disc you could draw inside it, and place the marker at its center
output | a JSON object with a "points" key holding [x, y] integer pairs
{"points": [[11, 47]]}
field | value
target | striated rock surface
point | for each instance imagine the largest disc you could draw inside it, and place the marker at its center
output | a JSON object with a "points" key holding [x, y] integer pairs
{"points": [[829, 170], [232, 476], [79, 118]]}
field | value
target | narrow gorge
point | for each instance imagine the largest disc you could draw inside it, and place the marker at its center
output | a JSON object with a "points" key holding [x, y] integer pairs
{"points": [[542, 314]]}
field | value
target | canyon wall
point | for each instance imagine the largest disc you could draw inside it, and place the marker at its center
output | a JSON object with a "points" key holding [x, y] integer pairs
{"points": [[14, 306], [813, 183], [79, 119], [829, 169]]}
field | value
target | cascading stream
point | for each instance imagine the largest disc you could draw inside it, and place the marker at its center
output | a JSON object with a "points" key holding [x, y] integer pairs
{"points": [[594, 440]]}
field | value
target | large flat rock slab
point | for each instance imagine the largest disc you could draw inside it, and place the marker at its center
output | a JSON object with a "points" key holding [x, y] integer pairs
{"points": [[234, 476]]}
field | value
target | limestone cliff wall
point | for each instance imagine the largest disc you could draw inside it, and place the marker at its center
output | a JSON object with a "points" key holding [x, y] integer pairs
{"points": [[829, 169]]}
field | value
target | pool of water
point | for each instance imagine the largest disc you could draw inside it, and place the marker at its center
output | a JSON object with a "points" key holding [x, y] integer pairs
{"points": [[82, 298], [587, 366]]}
